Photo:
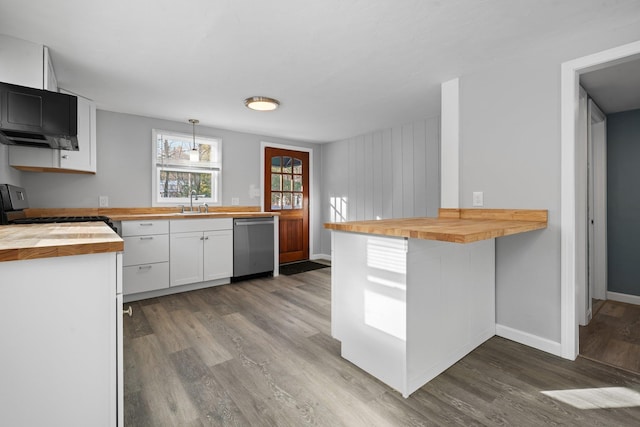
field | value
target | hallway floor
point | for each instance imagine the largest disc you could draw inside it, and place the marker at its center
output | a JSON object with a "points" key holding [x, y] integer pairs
{"points": [[613, 335]]}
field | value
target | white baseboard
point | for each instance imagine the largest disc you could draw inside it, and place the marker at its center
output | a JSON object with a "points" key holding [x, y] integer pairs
{"points": [[531, 340], [630, 299], [321, 256]]}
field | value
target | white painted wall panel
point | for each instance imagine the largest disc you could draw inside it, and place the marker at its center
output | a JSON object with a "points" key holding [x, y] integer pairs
{"points": [[391, 173]]}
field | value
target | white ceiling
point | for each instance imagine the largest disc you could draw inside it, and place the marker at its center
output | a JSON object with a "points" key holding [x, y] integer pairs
{"points": [[340, 68], [615, 88]]}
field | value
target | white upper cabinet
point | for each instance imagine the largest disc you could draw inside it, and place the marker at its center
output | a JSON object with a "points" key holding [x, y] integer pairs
{"points": [[46, 160], [26, 64]]}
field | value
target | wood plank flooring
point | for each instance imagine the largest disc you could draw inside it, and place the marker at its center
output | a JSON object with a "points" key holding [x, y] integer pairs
{"points": [[613, 335], [259, 353]]}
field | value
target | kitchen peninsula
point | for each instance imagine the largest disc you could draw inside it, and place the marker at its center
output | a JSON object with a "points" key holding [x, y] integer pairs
{"points": [[412, 296]]}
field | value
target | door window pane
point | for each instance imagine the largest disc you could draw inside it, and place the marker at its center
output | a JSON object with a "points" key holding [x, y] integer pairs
{"points": [[276, 164], [276, 201], [276, 182], [286, 165], [297, 183], [286, 200], [297, 200], [286, 182], [297, 166]]}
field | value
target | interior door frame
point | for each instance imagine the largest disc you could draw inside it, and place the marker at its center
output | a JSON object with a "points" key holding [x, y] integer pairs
{"points": [[312, 207], [572, 221]]}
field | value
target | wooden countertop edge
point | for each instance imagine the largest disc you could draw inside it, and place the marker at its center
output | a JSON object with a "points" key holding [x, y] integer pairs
{"points": [[112, 212], [20, 254], [493, 222], [179, 216]]}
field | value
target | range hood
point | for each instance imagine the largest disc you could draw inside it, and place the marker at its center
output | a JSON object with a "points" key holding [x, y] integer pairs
{"points": [[38, 118]]}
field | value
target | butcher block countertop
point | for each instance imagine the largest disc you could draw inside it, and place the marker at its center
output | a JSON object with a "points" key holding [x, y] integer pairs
{"points": [[30, 241], [453, 225], [141, 214]]}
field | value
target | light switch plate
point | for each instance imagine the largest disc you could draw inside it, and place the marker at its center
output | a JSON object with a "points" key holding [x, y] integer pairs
{"points": [[478, 199], [104, 201]]}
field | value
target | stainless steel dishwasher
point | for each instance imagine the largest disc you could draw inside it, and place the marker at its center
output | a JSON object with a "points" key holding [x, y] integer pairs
{"points": [[252, 246]]}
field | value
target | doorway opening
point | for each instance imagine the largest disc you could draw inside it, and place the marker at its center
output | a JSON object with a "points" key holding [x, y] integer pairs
{"points": [[574, 217]]}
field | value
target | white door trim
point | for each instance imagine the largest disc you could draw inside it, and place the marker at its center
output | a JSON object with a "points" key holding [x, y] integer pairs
{"points": [[570, 79], [265, 144]]}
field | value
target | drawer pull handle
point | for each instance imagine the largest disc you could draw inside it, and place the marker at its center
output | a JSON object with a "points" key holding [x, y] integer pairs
{"points": [[146, 224], [146, 238], [128, 311], [145, 267]]}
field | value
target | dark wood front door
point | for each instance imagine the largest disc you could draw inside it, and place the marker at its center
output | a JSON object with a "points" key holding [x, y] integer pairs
{"points": [[286, 177]]}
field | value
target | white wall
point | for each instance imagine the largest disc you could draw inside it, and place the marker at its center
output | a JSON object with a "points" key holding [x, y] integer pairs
{"points": [[391, 173], [8, 175], [124, 167], [510, 149]]}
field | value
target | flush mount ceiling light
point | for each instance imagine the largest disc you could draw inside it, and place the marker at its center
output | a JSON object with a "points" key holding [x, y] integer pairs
{"points": [[261, 103], [194, 156]]}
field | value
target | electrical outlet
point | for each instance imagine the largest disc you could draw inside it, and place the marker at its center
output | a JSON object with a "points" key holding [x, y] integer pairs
{"points": [[104, 201], [478, 198], [235, 201]]}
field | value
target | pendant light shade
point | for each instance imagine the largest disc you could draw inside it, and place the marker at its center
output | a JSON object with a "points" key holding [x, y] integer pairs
{"points": [[194, 156]]}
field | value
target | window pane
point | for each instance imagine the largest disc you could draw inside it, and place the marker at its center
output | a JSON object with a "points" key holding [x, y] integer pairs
{"points": [[286, 200], [276, 182], [178, 184], [176, 150], [297, 200], [276, 201], [286, 182], [297, 166], [297, 183], [276, 163], [286, 164]]}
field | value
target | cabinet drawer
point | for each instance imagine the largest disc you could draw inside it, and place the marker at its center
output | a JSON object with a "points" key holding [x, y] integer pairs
{"points": [[145, 249], [204, 224], [143, 228], [143, 278]]}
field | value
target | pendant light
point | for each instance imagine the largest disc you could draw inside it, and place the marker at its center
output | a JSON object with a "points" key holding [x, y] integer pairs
{"points": [[194, 156]]}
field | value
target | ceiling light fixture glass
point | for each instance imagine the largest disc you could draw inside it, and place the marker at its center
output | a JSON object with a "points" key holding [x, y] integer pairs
{"points": [[194, 156], [261, 103]]}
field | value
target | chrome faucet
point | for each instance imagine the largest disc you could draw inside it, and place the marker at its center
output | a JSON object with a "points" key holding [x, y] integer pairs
{"points": [[193, 193], [194, 196]]}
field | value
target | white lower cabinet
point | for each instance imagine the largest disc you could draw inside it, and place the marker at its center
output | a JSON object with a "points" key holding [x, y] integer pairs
{"points": [[200, 250], [61, 341], [146, 256]]}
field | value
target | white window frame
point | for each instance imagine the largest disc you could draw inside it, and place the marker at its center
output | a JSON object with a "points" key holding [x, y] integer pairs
{"points": [[213, 168]]}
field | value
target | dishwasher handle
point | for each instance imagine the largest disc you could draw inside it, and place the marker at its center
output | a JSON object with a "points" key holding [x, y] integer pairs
{"points": [[244, 222]]}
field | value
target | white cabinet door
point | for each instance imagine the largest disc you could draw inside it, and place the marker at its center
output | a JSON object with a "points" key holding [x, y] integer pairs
{"points": [[218, 254], [185, 258], [61, 359], [85, 158], [21, 62]]}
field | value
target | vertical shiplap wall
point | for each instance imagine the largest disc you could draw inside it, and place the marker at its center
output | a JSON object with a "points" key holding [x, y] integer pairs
{"points": [[391, 173]]}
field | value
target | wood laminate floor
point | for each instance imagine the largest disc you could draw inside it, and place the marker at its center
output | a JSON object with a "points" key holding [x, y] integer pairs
{"points": [[259, 353], [613, 335]]}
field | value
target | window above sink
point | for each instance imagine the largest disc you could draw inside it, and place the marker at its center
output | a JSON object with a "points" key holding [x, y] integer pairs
{"points": [[176, 171]]}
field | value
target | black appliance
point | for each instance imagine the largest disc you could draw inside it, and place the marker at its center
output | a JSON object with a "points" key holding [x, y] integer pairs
{"points": [[13, 201], [38, 118]]}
